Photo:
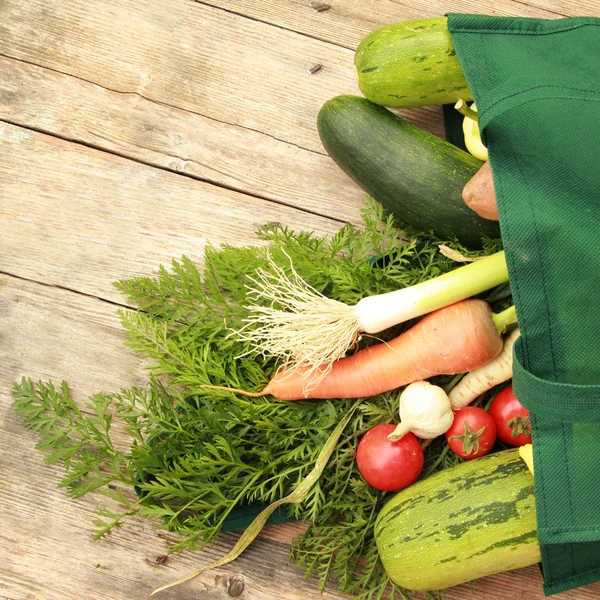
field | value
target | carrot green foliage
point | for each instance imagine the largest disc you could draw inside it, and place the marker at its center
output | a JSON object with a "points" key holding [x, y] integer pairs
{"points": [[195, 455]]}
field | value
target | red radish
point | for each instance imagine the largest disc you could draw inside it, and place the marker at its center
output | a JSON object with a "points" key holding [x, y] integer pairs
{"points": [[451, 340], [386, 465]]}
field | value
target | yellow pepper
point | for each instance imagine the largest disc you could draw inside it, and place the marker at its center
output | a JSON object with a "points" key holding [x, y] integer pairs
{"points": [[471, 131], [526, 453]]}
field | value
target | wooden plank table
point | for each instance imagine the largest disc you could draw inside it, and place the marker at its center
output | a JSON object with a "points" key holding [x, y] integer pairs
{"points": [[132, 132]]}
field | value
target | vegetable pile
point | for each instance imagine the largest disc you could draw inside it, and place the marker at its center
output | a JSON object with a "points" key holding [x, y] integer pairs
{"points": [[198, 454], [372, 415]]}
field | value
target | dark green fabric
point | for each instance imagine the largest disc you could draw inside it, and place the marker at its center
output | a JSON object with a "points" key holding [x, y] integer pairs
{"points": [[241, 517], [537, 87]]}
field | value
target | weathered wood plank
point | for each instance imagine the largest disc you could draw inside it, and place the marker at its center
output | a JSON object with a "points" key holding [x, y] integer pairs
{"points": [[51, 333], [177, 140], [569, 8], [82, 219], [152, 81], [186, 55], [197, 140], [346, 22], [183, 139]]}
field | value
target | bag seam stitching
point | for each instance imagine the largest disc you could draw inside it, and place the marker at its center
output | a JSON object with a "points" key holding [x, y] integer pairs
{"points": [[524, 32]]}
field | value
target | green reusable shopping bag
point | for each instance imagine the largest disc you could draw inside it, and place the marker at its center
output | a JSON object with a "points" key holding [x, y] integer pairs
{"points": [[536, 83]]}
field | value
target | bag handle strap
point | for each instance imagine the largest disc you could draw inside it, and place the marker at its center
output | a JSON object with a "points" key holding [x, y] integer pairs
{"points": [[567, 402]]}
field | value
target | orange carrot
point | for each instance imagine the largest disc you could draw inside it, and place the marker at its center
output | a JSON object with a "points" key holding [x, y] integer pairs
{"points": [[451, 340]]}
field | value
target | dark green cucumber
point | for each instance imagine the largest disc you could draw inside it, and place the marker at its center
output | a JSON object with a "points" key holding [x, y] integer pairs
{"points": [[412, 63], [414, 174], [465, 522]]}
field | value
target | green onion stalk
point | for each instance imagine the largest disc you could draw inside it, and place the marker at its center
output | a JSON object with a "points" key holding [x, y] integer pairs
{"points": [[292, 321]]}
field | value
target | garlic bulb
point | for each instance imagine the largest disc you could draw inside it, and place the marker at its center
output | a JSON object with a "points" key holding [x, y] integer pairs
{"points": [[425, 410]]}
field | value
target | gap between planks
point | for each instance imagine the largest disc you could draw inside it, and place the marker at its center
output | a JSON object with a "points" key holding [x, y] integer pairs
{"points": [[139, 161], [119, 305]]}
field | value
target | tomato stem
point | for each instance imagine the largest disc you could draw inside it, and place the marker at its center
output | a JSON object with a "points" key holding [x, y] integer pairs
{"points": [[469, 438], [519, 425]]}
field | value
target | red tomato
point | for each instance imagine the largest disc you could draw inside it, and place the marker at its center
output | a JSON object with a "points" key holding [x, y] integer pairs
{"points": [[511, 418], [389, 466], [473, 432]]}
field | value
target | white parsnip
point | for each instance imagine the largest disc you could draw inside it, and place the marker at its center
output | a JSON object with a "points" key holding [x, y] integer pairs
{"points": [[484, 378]]}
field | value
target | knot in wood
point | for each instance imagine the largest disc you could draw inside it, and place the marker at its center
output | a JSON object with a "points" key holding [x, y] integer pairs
{"points": [[235, 587]]}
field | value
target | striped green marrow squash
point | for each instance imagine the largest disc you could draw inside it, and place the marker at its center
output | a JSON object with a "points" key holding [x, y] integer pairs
{"points": [[412, 63], [465, 522]]}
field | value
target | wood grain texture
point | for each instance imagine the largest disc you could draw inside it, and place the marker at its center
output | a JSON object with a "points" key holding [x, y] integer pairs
{"points": [[82, 219], [186, 55], [173, 139], [46, 550], [187, 119], [346, 22]]}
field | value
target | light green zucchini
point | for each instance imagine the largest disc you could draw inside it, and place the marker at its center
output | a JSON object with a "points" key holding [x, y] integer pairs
{"points": [[412, 63], [465, 522]]}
